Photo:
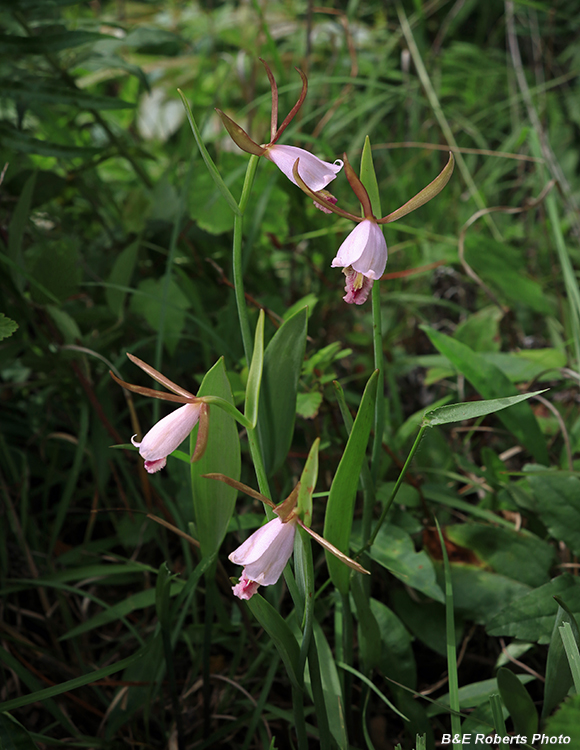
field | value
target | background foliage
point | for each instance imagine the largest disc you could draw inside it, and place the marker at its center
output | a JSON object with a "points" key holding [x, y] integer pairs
{"points": [[114, 238]]}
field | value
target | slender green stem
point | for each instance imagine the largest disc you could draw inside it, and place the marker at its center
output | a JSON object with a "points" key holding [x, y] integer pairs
{"points": [[451, 648], [379, 365], [165, 293], [237, 263], [398, 483], [258, 462]]}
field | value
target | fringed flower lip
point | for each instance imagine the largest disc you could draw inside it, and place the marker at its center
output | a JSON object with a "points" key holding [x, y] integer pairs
{"points": [[265, 553], [168, 434], [363, 254], [317, 174]]}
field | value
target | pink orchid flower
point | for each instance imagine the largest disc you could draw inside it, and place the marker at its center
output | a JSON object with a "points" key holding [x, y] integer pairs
{"points": [[317, 174], [264, 556], [363, 254], [265, 553], [168, 434]]}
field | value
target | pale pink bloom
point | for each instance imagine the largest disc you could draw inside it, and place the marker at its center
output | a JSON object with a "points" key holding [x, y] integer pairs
{"points": [[244, 588], [264, 556], [329, 198], [167, 435], [357, 287], [315, 172], [365, 249]]}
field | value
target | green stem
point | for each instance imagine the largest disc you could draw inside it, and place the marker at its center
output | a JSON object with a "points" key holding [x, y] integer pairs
{"points": [[379, 365], [237, 264], [451, 648], [167, 281], [258, 462], [398, 483]]}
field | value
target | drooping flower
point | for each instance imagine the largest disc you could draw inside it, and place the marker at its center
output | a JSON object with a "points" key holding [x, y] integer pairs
{"points": [[317, 174], [264, 555], [365, 249], [266, 552], [168, 434], [363, 254]]}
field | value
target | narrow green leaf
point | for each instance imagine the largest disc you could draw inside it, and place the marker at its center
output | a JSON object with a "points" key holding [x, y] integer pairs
{"points": [[213, 502], [308, 484], [518, 702], [77, 682], [368, 177], [340, 505], [255, 373], [13, 736], [558, 674], [277, 412], [331, 688], [369, 633], [20, 219], [369, 684], [473, 409], [45, 90], [493, 384], [18, 140], [281, 635], [120, 610], [10, 44], [570, 641], [209, 163], [450, 638]]}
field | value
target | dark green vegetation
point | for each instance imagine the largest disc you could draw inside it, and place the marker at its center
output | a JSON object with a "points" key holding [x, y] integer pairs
{"points": [[114, 238]]}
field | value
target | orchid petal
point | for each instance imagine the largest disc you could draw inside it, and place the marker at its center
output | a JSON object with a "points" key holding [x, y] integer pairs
{"points": [[315, 172], [357, 287], [168, 434], [245, 589], [265, 553], [365, 249]]}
